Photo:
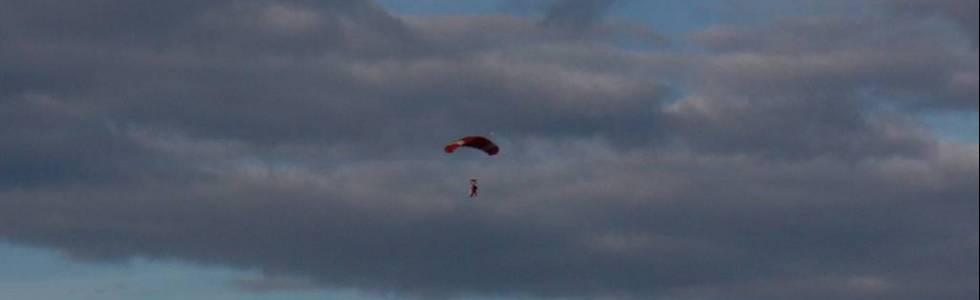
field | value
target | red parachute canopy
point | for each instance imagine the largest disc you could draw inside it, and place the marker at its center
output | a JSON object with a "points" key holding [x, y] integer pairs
{"points": [[477, 142]]}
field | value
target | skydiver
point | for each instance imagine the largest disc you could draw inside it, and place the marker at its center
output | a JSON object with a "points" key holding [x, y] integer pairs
{"points": [[473, 188]]}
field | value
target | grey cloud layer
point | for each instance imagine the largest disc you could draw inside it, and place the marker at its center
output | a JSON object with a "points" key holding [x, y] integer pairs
{"points": [[302, 138], [961, 12], [840, 78]]}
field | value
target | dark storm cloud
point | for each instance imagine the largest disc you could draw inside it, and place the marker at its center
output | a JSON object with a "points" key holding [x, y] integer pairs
{"points": [[302, 139]]}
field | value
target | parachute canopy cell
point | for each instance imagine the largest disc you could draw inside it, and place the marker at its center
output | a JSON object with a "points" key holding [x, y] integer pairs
{"points": [[476, 142]]}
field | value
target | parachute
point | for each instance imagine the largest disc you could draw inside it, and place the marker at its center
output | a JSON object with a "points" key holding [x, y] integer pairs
{"points": [[476, 142]]}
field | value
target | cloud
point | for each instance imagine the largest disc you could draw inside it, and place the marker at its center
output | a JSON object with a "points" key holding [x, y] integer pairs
{"points": [[824, 85], [303, 139], [961, 12], [289, 20], [629, 225], [272, 284], [575, 15], [896, 58]]}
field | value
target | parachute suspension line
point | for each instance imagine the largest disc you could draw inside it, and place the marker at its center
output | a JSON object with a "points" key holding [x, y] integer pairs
{"points": [[475, 142]]}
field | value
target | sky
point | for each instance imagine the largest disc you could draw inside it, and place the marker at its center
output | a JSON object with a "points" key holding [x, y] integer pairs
{"points": [[666, 150]]}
